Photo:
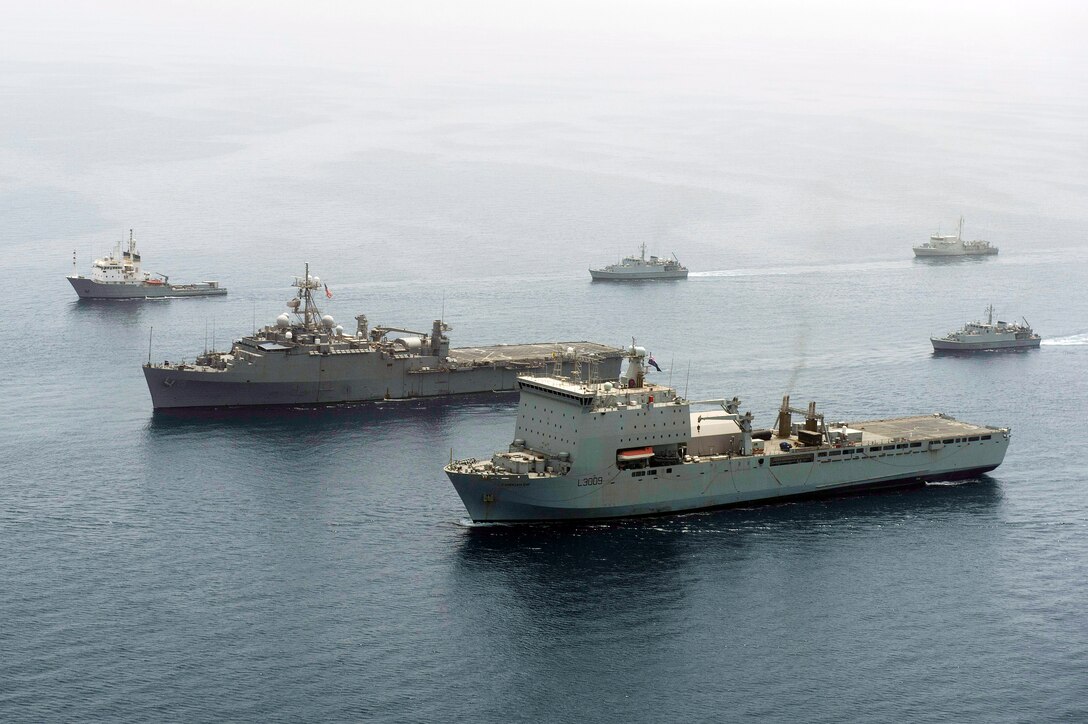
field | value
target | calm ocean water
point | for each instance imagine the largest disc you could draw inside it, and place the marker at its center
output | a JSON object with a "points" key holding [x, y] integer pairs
{"points": [[313, 565]]}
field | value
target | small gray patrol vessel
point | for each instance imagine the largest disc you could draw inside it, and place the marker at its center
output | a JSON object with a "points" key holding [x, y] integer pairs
{"points": [[988, 336], [634, 268], [944, 245]]}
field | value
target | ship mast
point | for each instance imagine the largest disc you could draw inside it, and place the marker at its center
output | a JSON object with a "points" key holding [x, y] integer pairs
{"points": [[307, 297], [306, 285]]}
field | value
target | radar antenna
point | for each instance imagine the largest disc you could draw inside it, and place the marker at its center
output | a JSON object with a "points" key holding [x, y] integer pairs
{"points": [[306, 286]]}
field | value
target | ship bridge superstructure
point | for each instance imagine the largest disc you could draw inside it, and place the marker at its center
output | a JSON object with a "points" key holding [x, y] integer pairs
{"points": [[121, 266]]}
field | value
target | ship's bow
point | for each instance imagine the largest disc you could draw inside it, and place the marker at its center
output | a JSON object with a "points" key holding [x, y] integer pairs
{"points": [[81, 285], [476, 493]]}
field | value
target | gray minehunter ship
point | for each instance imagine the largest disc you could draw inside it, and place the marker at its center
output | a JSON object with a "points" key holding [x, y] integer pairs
{"points": [[954, 245], [118, 276], [633, 268], [590, 450], [988, 336], [305, 358]]}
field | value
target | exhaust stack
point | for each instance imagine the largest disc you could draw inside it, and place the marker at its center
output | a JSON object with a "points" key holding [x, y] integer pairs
{"points": [[784, 419]]}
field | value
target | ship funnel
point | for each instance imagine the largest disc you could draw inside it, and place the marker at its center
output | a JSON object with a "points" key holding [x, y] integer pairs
{"points": [[635, 373], [784, 419], [810, 418]]}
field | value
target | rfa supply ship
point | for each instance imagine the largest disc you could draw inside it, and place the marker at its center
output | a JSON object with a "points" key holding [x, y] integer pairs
{"points": [[587, 450]]}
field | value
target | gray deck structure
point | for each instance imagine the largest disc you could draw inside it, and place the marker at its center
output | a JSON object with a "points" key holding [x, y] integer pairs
{"points": [[918, 427]]}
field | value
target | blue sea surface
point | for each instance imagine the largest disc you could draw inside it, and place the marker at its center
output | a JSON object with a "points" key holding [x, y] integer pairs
{"points": [[315, 564]]}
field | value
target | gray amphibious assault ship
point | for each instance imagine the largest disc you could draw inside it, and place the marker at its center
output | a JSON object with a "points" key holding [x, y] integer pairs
{"points": [[305, 358]]}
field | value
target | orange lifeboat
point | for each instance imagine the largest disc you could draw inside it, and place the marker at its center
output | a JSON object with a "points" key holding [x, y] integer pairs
{"points": [[635, 453], [156, 282]]}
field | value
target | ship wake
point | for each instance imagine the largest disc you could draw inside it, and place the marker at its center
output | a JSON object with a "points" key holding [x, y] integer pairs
{"points": [[1073, 340]]}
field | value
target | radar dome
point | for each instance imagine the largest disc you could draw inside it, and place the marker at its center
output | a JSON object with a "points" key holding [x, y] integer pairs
{"points": [[283, 321], [316, 281], [339, 331], [570, 351], [328, 321], [288, 336]]}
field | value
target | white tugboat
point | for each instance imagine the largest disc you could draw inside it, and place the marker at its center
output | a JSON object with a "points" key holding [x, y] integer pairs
{"points": [[988, 336], [589, 450], [633, 268], [954, 245], [119, 276]]}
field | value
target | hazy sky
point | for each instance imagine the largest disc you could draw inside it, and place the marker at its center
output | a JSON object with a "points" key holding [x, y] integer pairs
{"points": [[631, 41]]}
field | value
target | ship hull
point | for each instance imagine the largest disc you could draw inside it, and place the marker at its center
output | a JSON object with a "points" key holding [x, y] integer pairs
{"points": [[90, 289], [602, 275], [944, 345], [920, 252], [326, 379], [723, 483]]}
